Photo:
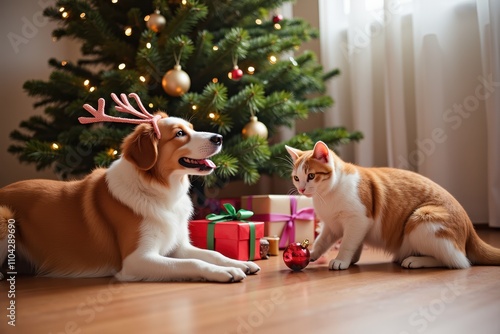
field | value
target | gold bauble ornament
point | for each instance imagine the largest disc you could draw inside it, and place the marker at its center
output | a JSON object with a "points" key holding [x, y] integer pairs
{"points": [[156, 21], [176, 82], [254, 128]]}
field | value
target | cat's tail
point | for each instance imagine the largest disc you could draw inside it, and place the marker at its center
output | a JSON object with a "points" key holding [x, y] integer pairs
{"points": [[480, 253]]}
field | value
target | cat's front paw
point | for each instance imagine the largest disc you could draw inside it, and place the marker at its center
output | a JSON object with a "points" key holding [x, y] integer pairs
{"points": [[315, 256], [338, 265]]}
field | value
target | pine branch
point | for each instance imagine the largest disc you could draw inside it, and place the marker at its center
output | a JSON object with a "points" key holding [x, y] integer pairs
{"points": [[252, 153], [234, 43], [186, 17]]}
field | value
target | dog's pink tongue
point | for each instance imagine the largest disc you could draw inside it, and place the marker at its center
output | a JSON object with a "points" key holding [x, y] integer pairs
{"points": [[209, 163]]}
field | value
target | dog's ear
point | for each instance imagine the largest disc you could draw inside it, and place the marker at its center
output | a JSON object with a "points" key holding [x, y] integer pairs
{"points": [[141, 147]]}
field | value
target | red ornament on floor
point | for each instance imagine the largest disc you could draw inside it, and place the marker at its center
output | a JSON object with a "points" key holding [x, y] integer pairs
{"points": [[296, 256]]}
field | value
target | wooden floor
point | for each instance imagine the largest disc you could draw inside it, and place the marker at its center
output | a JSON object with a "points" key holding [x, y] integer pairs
{"points": [[375, 296]]}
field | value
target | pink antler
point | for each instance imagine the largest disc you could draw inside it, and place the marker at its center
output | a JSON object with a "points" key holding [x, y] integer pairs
{"points": [[124, 106]]}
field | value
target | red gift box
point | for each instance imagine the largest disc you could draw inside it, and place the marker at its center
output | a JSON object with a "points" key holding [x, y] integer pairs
{"points": [[231, 238]]}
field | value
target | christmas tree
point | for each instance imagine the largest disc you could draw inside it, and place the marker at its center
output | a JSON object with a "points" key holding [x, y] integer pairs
{"points": [[216, 63]]}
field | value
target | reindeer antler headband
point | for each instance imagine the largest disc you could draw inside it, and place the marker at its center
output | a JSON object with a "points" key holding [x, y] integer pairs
{"points": [[124, 106]]}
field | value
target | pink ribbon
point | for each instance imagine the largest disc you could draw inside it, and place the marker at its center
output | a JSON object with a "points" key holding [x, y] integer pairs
{"points": [[288, 232]]}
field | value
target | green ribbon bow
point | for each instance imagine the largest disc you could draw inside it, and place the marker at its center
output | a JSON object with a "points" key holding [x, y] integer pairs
{"points": [[229, 215]]}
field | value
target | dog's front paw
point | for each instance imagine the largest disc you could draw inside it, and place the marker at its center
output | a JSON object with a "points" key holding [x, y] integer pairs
{"points": [[250, 268], [338, 265], [225, 275]]}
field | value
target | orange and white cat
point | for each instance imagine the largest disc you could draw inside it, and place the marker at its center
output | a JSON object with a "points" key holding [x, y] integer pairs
{"points": [[402, 212]]}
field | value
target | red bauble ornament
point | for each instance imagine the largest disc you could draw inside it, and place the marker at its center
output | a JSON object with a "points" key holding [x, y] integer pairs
{"points": [[236, 73], [277, 18], [297, 256]]}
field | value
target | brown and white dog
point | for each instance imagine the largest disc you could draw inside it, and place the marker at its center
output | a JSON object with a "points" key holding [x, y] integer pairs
{"points": [[130, 220]]}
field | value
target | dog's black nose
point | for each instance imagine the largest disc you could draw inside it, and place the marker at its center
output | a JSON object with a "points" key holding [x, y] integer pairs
{"points": [[216, 139]]}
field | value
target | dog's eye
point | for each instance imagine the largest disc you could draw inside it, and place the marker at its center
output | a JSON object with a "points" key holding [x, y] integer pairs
{"points": [[180, 133]]}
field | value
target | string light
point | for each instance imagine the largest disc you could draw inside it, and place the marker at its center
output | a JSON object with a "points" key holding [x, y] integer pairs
{"points": [[215, 80], [146, 18], [293, 61], [64, 63], [142, 78], [277, 26], [258, 21], [92, 89], [251, 70], [65, 15], [128, 31], [272, 59], [211, 115], [148, 45], [194, 107], [61, 9], [184, 2], [151, 105], [114, 1], [215, 48], [54, 146], [121, 66], [112, 152], [86, 82], [82, 16]]}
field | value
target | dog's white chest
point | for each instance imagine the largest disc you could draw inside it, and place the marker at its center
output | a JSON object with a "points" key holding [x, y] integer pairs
{"points": [[167, 229]]}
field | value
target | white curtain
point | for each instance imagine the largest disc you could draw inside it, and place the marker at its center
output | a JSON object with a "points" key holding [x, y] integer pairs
{"points": [[421, 80]]}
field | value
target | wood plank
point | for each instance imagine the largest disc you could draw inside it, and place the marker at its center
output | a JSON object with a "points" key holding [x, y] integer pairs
{"points": [[375, 296]]}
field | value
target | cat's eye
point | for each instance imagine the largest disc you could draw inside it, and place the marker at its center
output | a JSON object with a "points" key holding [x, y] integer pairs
{"points": [[296, 178], [310, 176]]}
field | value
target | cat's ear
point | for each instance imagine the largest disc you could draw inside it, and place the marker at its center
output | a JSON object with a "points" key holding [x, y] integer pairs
{"points": [[294, 153], [321, 152]]}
